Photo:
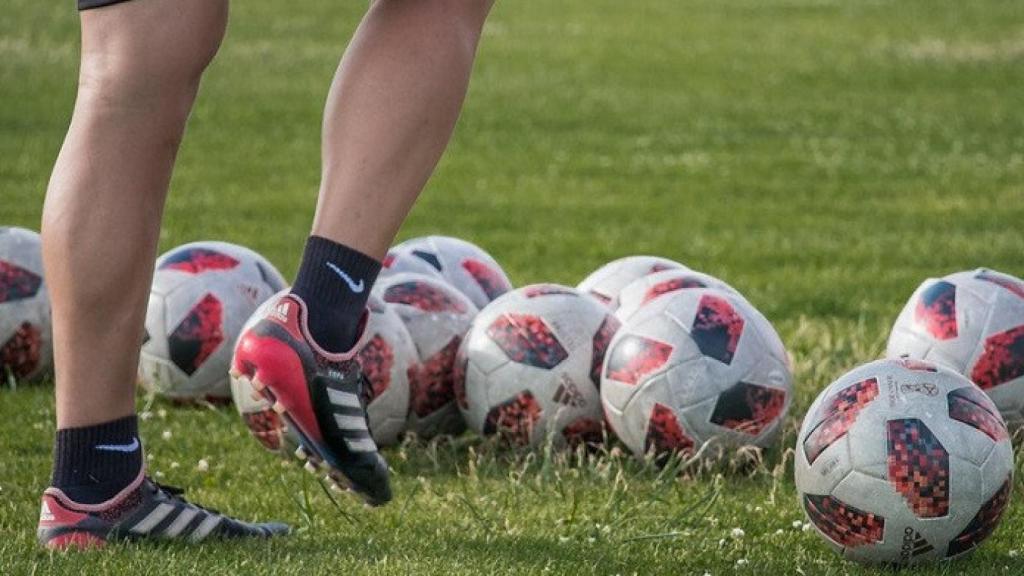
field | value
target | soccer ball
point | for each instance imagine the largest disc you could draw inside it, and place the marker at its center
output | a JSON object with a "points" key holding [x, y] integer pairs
{"points": [[529, 369], [464, 265], [437, 317], [972, 322], [26, 345], [903, 462], [202, 294], [263, 422], [401, 261], [647, 288], [387, 356], [695, 366], [607, 282]]}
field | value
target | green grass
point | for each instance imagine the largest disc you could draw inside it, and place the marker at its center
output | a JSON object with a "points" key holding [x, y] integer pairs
{"points": [[822, 156]]}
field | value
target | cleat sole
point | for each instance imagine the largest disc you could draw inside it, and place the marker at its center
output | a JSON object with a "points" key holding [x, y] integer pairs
{"points": [[310, 451]]}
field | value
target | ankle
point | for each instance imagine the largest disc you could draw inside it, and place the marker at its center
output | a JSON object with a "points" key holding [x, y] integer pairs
{"points": [[92, 464], [334, 281]]}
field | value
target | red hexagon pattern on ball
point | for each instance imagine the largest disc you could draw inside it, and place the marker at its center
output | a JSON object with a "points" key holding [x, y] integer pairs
{"points": [[665, 435], [265, 426], [584, 431], [1002, 360], [377, 359], [423, 296], [433, 382], [634, 357], [837, 416], [1006, 281], [514, 419], [20, 354], [974, 408], [197, 260], [197, 336], [918, 467], [459, 379], [936, 310], [983, 523], [16, 283], [717, 328], [843, 524], [490, 281], [527, 339], [673, 285], [748, 408], [538, 290], [602, 338]]}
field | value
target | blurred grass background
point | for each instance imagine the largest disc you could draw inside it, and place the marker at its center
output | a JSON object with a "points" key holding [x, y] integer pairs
{"points": [[822, 156]]}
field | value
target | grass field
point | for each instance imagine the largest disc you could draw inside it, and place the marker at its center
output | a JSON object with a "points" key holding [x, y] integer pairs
{"points": [[822, 156]]}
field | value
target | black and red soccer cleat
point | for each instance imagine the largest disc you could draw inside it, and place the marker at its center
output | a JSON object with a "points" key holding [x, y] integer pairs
{"points": [[319, 395], [143, 510]]}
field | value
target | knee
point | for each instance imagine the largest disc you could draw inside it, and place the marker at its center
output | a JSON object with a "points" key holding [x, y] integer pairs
{"points": [[151, 62]]}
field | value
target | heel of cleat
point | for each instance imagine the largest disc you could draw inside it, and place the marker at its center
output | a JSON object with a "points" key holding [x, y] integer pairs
{"points": [[75, 541]]}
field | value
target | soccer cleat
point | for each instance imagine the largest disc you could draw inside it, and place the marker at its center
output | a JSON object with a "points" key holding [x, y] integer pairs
{"points": [[143, 510], [319, 395]]}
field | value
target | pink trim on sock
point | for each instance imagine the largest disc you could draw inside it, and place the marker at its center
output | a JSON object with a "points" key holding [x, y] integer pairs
{"points": [[301, 320], [70, 504]]}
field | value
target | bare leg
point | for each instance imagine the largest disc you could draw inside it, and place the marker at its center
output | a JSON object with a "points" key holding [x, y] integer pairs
{"points": [[390, 112], [141, 65]]}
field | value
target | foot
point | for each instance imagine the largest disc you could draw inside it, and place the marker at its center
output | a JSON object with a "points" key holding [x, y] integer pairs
{"points": [[143, 510], [320, 395]]}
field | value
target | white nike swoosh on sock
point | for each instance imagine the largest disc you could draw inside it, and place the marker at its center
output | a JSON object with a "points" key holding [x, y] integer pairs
{"points": [[131, 447], [355, 287]]}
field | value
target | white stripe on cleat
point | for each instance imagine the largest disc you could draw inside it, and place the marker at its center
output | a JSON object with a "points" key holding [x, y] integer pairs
{"points": [[346, 399], [350, 422]]}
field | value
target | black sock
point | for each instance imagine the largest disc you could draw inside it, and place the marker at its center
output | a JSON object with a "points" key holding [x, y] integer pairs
{"points": [[334, 281], [93, 463]]}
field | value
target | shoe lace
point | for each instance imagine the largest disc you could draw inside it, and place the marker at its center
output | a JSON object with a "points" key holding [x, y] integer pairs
{"points": [[175, 493]]}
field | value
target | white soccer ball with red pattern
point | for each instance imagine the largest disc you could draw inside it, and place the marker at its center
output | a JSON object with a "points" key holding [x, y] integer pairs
{"points": [[387, 356], [463, 264], [903, 462], [437, 317], [530, 367], [692, 367], [972, 322], [399, 261], [26, 345], [646, 288], [609, 280], [265, 425], [202, 295]]}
